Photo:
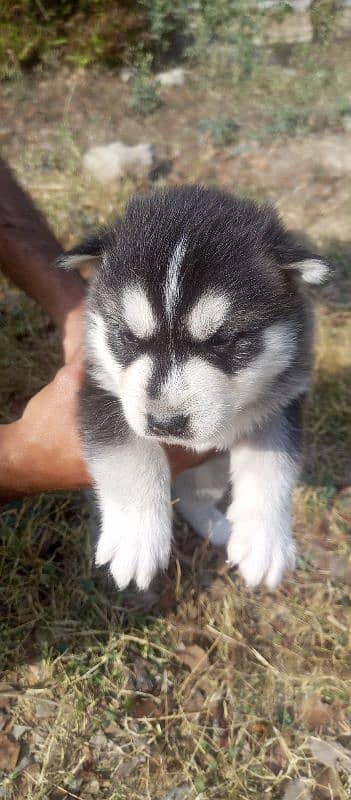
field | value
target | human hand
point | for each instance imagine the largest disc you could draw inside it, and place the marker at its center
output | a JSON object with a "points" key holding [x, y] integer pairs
{"points": [[41, 451]]}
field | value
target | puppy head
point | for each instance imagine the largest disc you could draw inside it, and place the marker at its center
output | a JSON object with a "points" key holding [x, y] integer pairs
{"points": [[196, 315]]}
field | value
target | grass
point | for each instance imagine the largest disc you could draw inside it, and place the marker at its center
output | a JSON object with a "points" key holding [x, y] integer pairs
{"points": [[144, 97], [108, 33], [198, 685], [111, 667], [223, 130]]}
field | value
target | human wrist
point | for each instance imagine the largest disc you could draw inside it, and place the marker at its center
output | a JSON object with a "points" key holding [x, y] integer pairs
{"points": [[67, 294], [15, 479]]}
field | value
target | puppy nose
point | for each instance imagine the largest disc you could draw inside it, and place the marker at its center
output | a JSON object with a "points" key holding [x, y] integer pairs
{"points": [[173, 426]]}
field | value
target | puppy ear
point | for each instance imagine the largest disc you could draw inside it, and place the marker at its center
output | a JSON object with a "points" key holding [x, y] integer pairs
{"points": [[312, 269], [90, 251], [290, 253]]}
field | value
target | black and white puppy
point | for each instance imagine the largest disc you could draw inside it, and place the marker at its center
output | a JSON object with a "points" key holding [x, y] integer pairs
{"points": [[199, 333]]}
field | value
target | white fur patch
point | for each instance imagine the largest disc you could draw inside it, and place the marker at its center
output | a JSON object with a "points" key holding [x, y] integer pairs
{"points": [[264, 476], [133, 488], [172, 286], [138, 312], [207, 399], [173, 392], [201, 391], [312, 270], [107, 370], [278, 351], [133, 394], [207, 315]]}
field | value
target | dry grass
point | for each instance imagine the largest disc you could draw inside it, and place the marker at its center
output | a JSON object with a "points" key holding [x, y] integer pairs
{"points": [[198, 685]]}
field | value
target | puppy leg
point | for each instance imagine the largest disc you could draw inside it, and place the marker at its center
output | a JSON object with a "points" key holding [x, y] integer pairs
{"points": [[264, 471], [132, 483]]}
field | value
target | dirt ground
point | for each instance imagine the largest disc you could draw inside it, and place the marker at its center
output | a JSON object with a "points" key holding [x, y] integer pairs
{"points": [[198, 688]]}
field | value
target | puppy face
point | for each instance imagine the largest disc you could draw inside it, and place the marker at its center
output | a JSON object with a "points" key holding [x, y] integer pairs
{"points": [[196, 317]]}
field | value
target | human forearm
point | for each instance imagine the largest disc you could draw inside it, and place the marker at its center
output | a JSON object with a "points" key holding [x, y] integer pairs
{"points": [[27, 250], [9, 478]]}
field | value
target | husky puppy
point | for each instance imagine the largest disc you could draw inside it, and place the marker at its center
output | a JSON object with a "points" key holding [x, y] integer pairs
{"points": [[198, 333]]}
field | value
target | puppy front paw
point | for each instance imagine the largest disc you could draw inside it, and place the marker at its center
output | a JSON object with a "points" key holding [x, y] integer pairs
{"points": [[260, 552], [136, 547]]}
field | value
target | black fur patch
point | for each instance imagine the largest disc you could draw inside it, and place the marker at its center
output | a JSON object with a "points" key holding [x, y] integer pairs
{"points": [[101, 418], [293, 414]]}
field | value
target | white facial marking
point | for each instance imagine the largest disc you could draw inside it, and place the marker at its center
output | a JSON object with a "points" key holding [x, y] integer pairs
{"points": [[199, 390], [207, 315], [312, 270], [208, 397], [278, 350], [172, 286], [138, 312], [133, 394], [173, 391], [107, 370]]}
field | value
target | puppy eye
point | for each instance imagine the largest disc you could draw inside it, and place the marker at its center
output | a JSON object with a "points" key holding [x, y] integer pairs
{"points": [[242, 344], [219, 339], [128, 337]]}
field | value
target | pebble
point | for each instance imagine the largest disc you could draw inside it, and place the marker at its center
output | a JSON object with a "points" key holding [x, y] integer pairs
{"points": [[111, 162], [172, 77], [126, 74]]}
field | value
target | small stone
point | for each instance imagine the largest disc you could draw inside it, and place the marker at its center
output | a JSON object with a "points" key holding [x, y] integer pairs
{"points": [[98, 742], [37, 740], [330, 752], [172, 77], [297, 790], [17, 731], [300, 5], [126, 74], [75, 783], [45, 709], [115, 161], [179, 792], [93, 787], [127, 765], [37, 672]]}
